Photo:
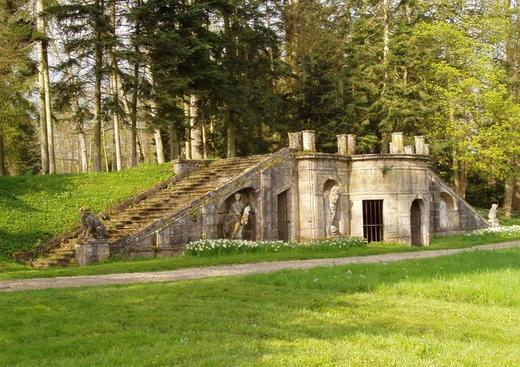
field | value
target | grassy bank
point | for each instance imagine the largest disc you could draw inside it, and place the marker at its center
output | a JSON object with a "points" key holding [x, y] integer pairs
{"points": [[34, 208], [16, 271], [450, 311]]}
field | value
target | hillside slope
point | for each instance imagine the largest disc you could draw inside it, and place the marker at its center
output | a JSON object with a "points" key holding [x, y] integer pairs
{"points": [[34, 208]]}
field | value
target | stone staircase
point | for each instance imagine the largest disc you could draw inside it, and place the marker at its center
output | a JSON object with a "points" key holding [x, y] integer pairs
{"points": [[167, 201]]}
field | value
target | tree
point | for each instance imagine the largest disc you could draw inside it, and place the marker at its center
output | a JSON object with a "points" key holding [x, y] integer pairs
{"points": [[47, 130]]}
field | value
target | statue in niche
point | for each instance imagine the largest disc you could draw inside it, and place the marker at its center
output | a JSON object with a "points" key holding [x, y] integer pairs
{"points": [[333, 205], [237, 218], [443, 215], [493, 220]]}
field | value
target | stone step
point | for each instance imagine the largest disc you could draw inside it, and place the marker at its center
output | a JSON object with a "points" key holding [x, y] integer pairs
{"points": [[162, 203]]}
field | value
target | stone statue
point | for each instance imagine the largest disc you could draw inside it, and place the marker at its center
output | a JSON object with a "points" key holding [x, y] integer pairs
{"points": [[237, 218], [333, 205], [493, 220], [91, 227], [443, 215]]}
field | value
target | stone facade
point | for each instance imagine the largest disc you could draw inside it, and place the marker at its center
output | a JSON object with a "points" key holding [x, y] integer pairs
{"points": [[300, 194]]}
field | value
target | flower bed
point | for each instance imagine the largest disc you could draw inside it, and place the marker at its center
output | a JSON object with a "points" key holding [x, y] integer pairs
{"points": [[223, 246], [505, 231]]}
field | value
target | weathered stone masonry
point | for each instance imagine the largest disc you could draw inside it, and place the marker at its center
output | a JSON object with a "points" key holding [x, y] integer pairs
{"points": [[300, 194]]}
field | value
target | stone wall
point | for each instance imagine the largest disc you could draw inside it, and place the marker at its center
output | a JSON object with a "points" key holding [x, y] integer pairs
{"points": [[325, 195], [259, 186], [315, 172], [398, 180], [450, 214]]}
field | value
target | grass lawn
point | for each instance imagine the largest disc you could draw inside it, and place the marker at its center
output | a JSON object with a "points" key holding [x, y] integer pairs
{"points": [[461, 310], [34, 208], [9, 270]]}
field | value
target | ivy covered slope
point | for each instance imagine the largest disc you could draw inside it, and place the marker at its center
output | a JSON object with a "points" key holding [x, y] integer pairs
{"points": [[34, 208]]}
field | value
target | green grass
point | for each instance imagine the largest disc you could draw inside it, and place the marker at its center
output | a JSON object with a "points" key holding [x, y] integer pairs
{"points": [[462, 310], [34, 208], [15, 271]]}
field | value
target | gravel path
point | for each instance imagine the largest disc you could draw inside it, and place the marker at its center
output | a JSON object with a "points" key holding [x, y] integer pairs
{"points": [[228, 270]]}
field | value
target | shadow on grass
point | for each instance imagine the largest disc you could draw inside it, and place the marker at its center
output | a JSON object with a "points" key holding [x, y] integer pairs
{"points": [[10, 242], [279, 319]]}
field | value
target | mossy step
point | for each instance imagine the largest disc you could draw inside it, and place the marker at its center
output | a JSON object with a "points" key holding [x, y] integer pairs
{"points": [[167, 201]]}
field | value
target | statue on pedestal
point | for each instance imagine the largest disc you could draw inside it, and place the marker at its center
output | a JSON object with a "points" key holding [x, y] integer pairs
{"points": [[91, 227], [493, 220]]}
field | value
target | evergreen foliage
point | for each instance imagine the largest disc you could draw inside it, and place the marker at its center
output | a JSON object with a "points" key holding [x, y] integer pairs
{"points": [[232, 77]]}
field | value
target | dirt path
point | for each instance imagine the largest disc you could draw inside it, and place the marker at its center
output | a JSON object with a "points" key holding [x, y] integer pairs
{"points": [[228, 270]]}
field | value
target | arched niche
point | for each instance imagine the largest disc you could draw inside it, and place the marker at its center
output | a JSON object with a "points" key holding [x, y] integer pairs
{"points": [[241, 205], [418, 223], [448, 213], [332, 207]]}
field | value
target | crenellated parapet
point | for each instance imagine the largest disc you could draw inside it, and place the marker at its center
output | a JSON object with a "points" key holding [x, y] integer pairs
{"points": [[305, 141]]}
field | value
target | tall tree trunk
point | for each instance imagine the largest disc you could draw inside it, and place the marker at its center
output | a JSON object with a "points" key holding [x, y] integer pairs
{"points": [[174, 141], [386, 43], [460, 177], [105, 153], [98, 70], [187, 145], [48, 114], [204, 141], [115, 93], [195, 129], [133, 115], [159, 148], [44, 146], [82, 143], [135, 91], [231, 137], [508, 196], [516, 197]]}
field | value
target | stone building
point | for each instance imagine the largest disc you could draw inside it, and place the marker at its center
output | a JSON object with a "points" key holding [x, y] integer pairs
{"points": [[296, 193], [301, 194]]}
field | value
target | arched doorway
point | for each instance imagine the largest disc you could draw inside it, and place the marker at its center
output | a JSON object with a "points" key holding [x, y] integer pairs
{"points": [[416, 222]]}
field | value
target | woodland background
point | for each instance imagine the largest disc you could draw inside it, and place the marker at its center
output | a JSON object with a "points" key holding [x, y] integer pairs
{"points": [[101, 85]]}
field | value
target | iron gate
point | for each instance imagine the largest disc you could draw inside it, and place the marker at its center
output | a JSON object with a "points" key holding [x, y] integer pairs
{"points": [[373, 220]]}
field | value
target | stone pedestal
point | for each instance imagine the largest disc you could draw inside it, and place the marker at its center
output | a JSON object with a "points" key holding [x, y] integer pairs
{"points": [[295, 141], [397, 143], [342, 144], [92, 251], [351, 144], [309, 140], [420, 146]]}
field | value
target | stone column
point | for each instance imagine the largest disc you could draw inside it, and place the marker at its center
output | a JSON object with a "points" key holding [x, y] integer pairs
{"points": [[342, 144], [309, 140], [397, 143], [420, 145], [295, 141], [351, 144]]}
